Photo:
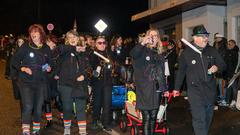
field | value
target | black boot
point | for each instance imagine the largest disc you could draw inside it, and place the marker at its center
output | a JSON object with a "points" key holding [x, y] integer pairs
{"points": [[149, 121], [153, 117], [58, 103]]}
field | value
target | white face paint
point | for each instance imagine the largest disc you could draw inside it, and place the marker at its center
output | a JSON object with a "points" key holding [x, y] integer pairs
{"points": [[31, 54], [194, 62]]}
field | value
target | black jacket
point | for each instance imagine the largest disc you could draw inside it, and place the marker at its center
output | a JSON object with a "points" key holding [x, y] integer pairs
{"points": [[106, 68], [201, 85], [71, 65], [221, 47], [119, 55], [231, 60], [148, 72], [171, 56], [28, 55]]}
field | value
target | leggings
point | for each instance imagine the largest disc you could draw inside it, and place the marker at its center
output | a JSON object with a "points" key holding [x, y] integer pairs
{"points": [[67, 100], [149, 121]]}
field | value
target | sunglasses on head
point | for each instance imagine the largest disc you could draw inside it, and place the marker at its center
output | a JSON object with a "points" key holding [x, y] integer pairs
{"points": [[101, 43]]}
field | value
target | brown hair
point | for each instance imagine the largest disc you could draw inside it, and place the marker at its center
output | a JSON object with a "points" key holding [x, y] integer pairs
{"points": [[233, 41], [114, 40], [38, 28], [52, 38]]}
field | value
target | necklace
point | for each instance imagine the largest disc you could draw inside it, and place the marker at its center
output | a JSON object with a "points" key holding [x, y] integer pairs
{"points": [[37, 46]]}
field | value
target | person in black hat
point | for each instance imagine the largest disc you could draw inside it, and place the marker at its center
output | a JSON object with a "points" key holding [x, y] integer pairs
{"points": [[199, 70]]}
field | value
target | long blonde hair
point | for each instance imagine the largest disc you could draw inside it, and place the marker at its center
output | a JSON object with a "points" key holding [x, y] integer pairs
{"points": [[160, 48]]}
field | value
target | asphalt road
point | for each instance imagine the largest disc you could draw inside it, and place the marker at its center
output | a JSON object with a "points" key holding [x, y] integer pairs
{"points": [[225, 122]]}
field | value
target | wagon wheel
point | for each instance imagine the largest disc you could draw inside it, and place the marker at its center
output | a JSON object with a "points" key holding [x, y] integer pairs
{"points": [[167, 131], [123, 124]]}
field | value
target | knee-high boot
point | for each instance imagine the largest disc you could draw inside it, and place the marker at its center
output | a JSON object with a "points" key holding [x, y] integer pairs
{"points": [[153, 116]]}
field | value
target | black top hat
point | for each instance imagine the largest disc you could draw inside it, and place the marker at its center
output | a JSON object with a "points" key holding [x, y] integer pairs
{"points": [[200, 30]]}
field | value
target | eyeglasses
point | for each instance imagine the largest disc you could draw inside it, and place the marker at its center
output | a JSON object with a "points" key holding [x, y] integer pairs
{"points": [[101, 43]]}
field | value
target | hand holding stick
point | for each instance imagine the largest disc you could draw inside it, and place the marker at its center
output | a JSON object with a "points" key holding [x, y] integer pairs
{"points": [[101, 56]]}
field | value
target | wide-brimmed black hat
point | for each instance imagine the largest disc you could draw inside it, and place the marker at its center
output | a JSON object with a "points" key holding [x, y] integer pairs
{"points": [[200, 30]]}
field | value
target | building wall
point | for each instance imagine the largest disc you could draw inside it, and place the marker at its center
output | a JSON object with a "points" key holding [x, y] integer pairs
{"points": [[175, 21], [154, 3], [212, 17], [233, 11]]}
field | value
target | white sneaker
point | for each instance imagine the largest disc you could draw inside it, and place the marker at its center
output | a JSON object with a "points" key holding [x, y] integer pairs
{"points": [[233, 104], [67, 131], [223, 103]]}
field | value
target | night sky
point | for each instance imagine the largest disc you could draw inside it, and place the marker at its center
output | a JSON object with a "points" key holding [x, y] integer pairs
{"points": [[18, 15]]}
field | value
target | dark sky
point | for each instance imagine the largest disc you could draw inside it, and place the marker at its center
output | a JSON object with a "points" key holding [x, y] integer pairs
{"points": [[18, 15]]}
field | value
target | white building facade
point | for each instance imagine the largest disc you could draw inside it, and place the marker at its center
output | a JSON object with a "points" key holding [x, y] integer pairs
{"points": [[177, 18], [233, 19]]}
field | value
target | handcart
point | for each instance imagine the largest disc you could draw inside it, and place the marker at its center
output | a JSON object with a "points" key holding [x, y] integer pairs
{"points": [[133, 118]]}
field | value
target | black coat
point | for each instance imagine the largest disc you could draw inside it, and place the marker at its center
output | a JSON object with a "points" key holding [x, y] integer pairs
{"points": [[201, 85], [148, 70]]}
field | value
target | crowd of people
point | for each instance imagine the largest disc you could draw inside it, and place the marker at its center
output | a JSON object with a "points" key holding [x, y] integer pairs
{"points": [[68, 71]]}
